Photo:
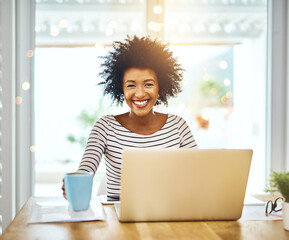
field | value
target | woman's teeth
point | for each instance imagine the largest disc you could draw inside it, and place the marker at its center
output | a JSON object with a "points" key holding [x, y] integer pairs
{"points": [[139, 103]]}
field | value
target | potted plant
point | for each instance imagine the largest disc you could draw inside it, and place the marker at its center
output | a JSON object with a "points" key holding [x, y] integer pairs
{"points": [[280, 181]]}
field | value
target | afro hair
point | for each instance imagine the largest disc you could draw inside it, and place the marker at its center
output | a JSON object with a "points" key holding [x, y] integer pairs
{"points": [[141, 53]]}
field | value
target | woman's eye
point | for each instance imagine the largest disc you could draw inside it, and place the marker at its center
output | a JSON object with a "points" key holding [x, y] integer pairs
{"points": [[149, 85], [130, 85]]}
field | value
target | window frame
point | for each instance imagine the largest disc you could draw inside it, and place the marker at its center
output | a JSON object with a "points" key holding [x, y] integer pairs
{"points": [[18, 163], [277, 88]]}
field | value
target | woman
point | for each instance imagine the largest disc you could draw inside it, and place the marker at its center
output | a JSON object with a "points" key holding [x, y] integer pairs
{"points": [[143, 73]]}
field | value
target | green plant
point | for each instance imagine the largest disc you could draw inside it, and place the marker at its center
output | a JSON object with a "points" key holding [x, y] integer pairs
{"points": [[86, 119], [279, 181], [214, 93]]}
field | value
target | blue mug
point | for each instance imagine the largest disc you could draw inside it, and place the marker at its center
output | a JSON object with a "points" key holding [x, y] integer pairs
{"points": [[78, 187]]}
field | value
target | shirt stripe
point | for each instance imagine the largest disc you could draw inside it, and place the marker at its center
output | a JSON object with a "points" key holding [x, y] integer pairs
{"points": [[109, 138]]}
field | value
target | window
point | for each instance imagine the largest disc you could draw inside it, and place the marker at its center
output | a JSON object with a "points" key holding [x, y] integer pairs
{"points": [[221, 44]]}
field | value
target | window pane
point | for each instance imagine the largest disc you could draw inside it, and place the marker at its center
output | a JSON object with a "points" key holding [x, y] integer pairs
{"points": [[79, 23], [222, 46]]}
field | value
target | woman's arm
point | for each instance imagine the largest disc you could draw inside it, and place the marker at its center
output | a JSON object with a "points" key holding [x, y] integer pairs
{"points": [[95, 147]]}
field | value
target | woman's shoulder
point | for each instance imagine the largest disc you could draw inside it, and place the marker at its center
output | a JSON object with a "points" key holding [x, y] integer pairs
{"points": [[175, 118], [108, 117], [105, 120]]}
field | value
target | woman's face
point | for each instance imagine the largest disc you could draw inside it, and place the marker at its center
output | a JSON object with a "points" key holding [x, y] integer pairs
{"points": [[140, 89]]}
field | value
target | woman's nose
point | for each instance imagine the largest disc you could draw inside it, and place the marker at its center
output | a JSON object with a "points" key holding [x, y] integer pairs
{"points": [[140, 92]]}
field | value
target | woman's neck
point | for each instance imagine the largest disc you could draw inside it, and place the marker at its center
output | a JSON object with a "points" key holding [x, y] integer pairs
{"points": [[145, 125], [146, 120]]}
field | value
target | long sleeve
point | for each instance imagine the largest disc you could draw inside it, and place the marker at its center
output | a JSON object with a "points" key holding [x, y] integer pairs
{"points": [[95, 148]]}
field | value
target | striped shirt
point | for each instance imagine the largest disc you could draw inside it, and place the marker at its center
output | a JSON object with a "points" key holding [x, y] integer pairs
{"points": [[110, 138]]}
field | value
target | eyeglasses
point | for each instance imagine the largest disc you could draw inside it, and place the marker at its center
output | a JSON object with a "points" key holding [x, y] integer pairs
{"points": [[273, 206]]}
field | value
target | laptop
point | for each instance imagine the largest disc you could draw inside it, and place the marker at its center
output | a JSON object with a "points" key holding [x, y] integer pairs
{"points": [[183, 185]]}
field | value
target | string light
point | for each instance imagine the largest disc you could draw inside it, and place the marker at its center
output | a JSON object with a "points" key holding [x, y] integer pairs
{"points": [[54, 31], [158, 9], [32, 148], [25, 86], [63, 23], [30, 53], [18, 100]]}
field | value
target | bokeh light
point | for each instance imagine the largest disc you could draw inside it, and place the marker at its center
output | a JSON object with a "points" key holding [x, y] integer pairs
{"points": [[30, 53], [18, 100], [206, 77], [32, 148], [223, 64], [54, 31], [25, 86], [63, 23], [227, 82], [158, 9]]}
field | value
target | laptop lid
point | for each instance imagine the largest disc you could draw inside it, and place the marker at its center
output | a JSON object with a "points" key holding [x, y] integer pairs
{"points": [[181, 185]]}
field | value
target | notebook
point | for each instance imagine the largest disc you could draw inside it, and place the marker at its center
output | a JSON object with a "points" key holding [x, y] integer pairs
{"points": [[183, 185]]}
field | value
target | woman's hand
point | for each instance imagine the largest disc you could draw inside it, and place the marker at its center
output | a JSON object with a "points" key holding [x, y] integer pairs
{"points": [[63, 189]]}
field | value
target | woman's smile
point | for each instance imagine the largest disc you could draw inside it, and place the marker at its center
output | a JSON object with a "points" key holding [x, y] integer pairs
{"points": [[141, 103], [140, 90]]}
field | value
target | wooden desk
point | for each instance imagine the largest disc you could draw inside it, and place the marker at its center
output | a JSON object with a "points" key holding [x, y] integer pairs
{"points": [[112, 229]]}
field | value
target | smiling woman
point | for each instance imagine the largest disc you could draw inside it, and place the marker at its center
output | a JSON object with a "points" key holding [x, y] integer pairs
{"points": [[140, 90], [143, 73]]}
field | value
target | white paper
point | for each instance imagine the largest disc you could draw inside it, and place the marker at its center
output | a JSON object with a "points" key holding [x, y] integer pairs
{"points": [[56, 209], [257, 212], [252, 201]]}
